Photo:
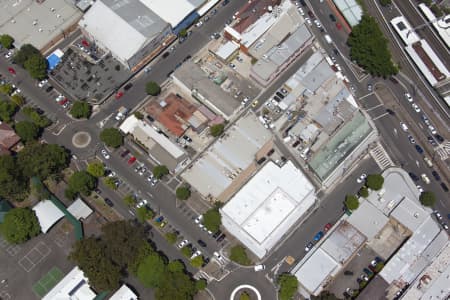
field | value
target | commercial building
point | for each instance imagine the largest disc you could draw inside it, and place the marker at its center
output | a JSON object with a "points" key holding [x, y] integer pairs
{"points": [[350, 10], [221, 170], [141, 30], [159, 147], [277, 58], [263, 211], [423, 55], [195, 81], [124, 293], [39, 23], [73, 286]]}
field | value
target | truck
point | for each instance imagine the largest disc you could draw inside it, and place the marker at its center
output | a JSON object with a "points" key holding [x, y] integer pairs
{"points": [[328, 38], [121, 113]]}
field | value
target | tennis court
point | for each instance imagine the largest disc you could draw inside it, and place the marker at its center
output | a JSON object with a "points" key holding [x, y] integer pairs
{"points": [[47, 282]]}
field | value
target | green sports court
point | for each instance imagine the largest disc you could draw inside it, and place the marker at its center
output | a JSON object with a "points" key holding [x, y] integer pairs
{"points": [[47, 282]]}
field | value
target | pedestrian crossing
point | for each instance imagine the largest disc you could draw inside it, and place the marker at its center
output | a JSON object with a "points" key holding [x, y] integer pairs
{"points": [[381, 157], [444, 150]]}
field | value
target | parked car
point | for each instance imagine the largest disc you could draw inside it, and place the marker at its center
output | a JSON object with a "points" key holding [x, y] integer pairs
{"points": [[332, 18], [408, 97], [125, 153], [444, 187], [118, 95], [260, 268], [221, 237], [361, 178], [327, 227], [436, 175], [309, 246], [131, 160], [420, 188], [411, 139], [217, 234], [142, 203], [438, 215], [413, 176], [109, 202], [201, 243], [419, 149], [416, 107], [198, 219], [318, 236], [182, 244], [105, 154]]}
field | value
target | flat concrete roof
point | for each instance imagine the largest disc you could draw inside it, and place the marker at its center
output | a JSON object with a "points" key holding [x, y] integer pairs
{"points": [[73, 286], [267, 206], [351, 11], [174, 12], [212, 173], [368, 219], [39, 24]]}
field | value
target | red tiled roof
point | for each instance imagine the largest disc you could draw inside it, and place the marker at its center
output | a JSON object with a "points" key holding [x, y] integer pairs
{"points": [[251, 12], [8, 137], [174, 114]]}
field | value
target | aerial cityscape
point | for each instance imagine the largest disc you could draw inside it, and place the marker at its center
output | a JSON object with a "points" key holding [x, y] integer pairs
{"points": [[224, 149]]}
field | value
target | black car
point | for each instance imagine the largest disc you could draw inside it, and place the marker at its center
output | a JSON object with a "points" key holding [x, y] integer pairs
{"points": [[431, 141], [419, 149], [125, 153], [444, 187], [216, 234], [128, 86], [165, 54], [436, 175], [98, 191], [336, 51], [109, 202], [302, 2], [49, 89], [225, 2], [413, 176], [439, 138], [280, 95], [201, 243], [221, 238], [187, 138], [311, 14], [390, 111], [332, 18]]}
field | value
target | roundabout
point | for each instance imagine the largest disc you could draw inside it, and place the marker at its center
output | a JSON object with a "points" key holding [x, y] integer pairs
{"points": [[81, 139], [246, 288]]}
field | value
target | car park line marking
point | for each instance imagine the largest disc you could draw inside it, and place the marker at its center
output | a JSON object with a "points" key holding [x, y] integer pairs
{"points": [[380, 116], [374, 107], [150, 195]]}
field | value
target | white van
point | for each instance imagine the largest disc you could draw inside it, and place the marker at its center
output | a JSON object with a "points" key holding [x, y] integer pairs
{"points": [[304, 153], [425, 178], [428, 161], [260, 268], [328, 38]]}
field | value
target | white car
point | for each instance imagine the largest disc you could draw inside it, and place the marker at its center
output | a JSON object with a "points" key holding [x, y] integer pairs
{"points": [[308, 21], [416, 107], [59, 98], [200, 23], [142, 171], [408, 97], [42, 83], [182, 244], [245, 100], [260, 268], [218, 256], [420, 188], [361, 178], [142, 203], [300, 10], [432, 129], [317, 22], [403, 126], [198, 219], [196, 253], [445, 226], [105, 154], [9, 54], [438, 215]]}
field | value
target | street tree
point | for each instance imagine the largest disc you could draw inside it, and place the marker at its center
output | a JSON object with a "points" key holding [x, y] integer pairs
{"points": [[18, 100], [197, 262], [201, 284], [27, 131], [96, 169], [182, 33], [375, 181], [364, 192], [81, 110], [216, 130], [186, 251], [369, 48], [351, 202], [14, 185], [385, 2], [25, 52], [6, 88], [176, 285], [176, 266], [129, 200], [171, 237], [20, 225], [82, 182], [288, 286], [160, 171], [152, 88], [244, 296], [212, 219], [110, 182], [7, 110], [151, 271], [183, 193], [427, 198], [38, 119], [143, 214], [36, 65], [239, 255], [111, 137], [6, 41]]}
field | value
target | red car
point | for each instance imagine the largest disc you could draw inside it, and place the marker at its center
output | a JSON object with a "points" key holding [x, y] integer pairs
{"points": [[119, 95], [338, 26], [131, 160], [327, 227], [63, 101], [12, 71]]}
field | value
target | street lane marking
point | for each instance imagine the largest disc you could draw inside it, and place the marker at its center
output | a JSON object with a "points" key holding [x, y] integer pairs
{"points": [[380, 116]]}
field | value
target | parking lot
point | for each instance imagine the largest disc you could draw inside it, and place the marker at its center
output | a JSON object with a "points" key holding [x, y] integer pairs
{"points": [[25, 264], [83, 78]]}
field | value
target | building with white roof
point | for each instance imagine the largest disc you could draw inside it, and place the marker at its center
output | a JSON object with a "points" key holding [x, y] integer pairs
{"points": [[40, 23], [48, 214], [158, 146], [124, 293], [441, 24], [141, 30], [350, 10], [73, 286], [368, 219], [266, 208], [79, 209], [221, 169], [227, 50]]}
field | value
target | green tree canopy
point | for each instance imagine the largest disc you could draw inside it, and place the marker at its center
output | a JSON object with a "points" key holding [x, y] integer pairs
{"points": [[212, 219], [129, 200], [201, 284], [89, 255], [143, 214], [151, 271], [364, 192], [14, 185], [110, 182], [197, 262], [81, 182], [18, 100], [25, 52], [183, 193], [20, 225], [239, 255], [6, 88], [175, 266], [176, 285], [96, 169], [375, 182], [111, 137], [42, 160], [38, 119], [351, 202], [27, 131], [216, 130], [160, 171], [244, 296], [182, 33], [186, 251], [7, 110], [6, 41], [36, 66], [427, 198], [369, 48], [152, 88], [81, 110], [288, 286], [171, 237]]}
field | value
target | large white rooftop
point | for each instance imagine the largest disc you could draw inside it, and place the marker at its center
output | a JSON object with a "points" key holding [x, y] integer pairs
{"points": [[368, 219], [73, 286], [267, 206], [48, 214], [173, 12]]}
